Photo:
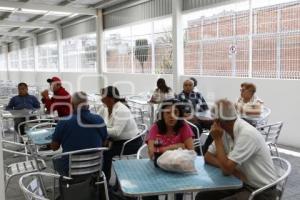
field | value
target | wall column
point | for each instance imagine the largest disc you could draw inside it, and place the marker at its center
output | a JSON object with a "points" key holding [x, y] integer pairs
{"points": [[177, 33]]}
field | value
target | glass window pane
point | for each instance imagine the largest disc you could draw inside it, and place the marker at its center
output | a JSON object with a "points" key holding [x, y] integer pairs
{"points": [[48, 57]]}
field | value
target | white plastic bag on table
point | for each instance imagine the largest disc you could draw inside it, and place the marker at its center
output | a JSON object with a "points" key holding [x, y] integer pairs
{"points": [[180, 160]]}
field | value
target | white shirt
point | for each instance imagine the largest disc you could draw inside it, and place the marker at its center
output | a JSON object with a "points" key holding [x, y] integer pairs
{"points": [[120, 124], [250, 152], [159, 96], [255, 105]]}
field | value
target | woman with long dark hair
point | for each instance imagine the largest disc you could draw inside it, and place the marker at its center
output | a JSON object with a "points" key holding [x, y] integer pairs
{"points": [[171, 131], [121, 127], [162, 92]]}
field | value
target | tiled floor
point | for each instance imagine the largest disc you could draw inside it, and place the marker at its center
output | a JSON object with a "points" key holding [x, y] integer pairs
{"points": [[292, 191]]}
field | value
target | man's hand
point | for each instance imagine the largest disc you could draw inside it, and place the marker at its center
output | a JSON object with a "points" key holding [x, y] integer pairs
{"points": [[216, 131], [45, 94]]}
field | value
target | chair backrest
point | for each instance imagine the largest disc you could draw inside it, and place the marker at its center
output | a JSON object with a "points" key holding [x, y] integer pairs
{"points": [[143, 131], [197, 139], [32, 185], [43, 125], [83, 162], [31, 123], [283, 169], [142, 152], [271, 132]]}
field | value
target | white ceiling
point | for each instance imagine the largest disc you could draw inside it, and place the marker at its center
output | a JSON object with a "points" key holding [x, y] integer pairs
{"points": [[21, 14]]}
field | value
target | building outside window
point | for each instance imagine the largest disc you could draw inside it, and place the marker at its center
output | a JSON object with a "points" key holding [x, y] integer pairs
{"points": [[79, 53], [140, 48], [48, 57], [217, 40]]}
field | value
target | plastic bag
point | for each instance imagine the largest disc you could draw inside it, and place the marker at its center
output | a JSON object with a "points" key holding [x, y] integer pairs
{"points": [[179, 160]]}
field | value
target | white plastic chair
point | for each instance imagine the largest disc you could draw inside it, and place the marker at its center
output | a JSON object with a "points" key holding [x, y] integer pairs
{"points": [[283, 168], [271, 133]]}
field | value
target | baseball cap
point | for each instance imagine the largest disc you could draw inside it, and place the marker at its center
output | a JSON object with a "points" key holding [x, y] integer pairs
{"points": [[53, 79]]}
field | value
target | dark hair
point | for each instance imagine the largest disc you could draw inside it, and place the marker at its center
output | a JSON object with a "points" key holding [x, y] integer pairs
{"points": [[113, 92], [194, 80], [162, 127], [22, 84], [249, 86], [161, 84]]}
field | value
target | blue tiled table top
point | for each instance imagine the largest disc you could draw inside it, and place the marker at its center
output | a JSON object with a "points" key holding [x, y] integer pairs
{"points": [[141, 177], [40, 136]]}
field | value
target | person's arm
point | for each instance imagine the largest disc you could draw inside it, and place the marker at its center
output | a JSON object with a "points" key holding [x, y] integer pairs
{"points": [[212, 160], [172, 147], [203, 104], [11, 104], [225, 164], [54, 145], [228, 166], [57, 136], [186, 135], [151, 148], [120, 121], [35, 103]]}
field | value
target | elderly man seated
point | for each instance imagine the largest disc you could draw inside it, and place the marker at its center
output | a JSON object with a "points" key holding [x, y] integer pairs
{"points": [[239, 149], [194, 103], [194, 100], [74, 134]]}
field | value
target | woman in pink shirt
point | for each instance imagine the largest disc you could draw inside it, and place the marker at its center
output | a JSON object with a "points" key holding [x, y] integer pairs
{"points": [[171, 131]]}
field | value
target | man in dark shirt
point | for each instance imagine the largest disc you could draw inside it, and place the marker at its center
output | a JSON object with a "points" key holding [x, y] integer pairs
{"points": [[83, 130], [22, 101], [61, 100]]}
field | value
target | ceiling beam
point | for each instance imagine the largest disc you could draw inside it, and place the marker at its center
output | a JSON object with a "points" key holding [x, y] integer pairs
{"points": [[28, 24], [6, 40], [39, 6], [107, 3], [16, 33]]}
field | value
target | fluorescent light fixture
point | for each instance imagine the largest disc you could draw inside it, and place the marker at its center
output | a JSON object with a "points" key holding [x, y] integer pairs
{"points": [[73, 15], [6, 9], [58, 13], [24, 10]]}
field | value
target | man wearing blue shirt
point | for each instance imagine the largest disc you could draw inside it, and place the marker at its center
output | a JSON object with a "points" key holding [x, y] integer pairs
{"points": [[83, 130], [22, 101]]}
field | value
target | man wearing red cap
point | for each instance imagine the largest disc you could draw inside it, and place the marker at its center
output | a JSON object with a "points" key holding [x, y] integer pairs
{"points": [[61, 100]]}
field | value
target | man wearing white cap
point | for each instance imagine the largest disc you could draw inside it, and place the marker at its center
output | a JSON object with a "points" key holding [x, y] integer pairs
{"points": [[240, 150]]}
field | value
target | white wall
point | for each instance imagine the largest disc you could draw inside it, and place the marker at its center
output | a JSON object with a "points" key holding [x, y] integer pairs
{"points": [[89, 82], [3, 75], [272, 92]]}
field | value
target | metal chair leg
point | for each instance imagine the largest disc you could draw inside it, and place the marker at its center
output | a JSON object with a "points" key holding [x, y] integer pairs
{"points": [[7, 182]]}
